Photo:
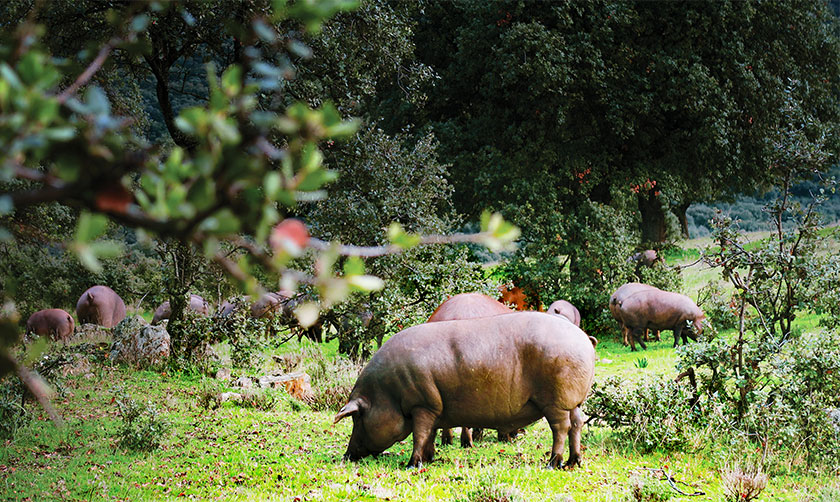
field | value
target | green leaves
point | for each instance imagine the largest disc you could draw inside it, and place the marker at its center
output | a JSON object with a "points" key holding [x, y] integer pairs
{"points": [[501, 233]]}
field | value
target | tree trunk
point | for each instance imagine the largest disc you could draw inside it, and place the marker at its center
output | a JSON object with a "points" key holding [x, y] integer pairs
{"points": [[680, 211], [653, 217]]}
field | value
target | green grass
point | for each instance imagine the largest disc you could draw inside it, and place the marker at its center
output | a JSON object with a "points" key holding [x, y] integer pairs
{"points": [[233, 453]]}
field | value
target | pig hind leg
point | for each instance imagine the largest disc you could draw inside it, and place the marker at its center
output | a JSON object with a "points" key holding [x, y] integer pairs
{"points": [[446, 436], [575, 430], [559, 422], [423, 428]]}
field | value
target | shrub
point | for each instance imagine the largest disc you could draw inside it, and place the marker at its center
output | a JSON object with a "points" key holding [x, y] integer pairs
{"points": [[827, 494], [12, 413], [721, 309], [743, 484], [654, 413], [258, 399], [142, 427], [644, 489], [246, 335], [488, 489], [332, 381]]}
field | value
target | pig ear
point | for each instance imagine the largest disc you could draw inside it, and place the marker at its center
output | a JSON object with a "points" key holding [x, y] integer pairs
{"points": [[348, 410], [594, 341]]}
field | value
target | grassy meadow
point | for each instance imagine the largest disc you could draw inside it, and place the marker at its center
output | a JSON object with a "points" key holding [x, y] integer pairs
{"points": [[286, 451]]}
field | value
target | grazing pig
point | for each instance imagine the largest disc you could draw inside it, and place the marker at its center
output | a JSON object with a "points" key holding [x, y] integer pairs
{"points": [[56, 323], [282, 305], [501, 372], [615, 300], [565, 309], [657, 309], [645, 258], [100, 305], [467, 306], [197, 304]]}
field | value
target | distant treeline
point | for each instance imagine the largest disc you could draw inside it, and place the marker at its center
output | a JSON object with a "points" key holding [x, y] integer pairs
{"points": [[749, 210]]}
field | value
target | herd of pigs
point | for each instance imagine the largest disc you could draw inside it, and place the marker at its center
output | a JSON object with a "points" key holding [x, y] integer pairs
{"points": [[474, 364]]}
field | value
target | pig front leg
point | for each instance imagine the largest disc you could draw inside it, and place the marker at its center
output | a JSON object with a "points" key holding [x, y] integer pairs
{"points": [[423, 437], [466, 438], [559, 422]]}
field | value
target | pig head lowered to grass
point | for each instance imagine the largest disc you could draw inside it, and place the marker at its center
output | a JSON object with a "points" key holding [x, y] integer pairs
{"points": [[502, 372], [660, 310]]}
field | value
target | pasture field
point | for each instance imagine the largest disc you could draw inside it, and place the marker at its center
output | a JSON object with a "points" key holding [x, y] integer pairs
{"points": [[285, 450], [293, 453]]}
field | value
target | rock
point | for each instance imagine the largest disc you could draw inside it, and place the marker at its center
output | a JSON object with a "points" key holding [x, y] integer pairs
{"points": [[223, 374], [244, 382], [296, 384], [230, 396], [139, 344]]}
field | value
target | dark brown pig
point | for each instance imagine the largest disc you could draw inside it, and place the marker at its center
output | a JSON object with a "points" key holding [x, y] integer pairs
{"points": [[459, 307], [197, 304], [100, 305], [565, 309], [55, 323], [615, 300], [502, 372], [660, 310]]}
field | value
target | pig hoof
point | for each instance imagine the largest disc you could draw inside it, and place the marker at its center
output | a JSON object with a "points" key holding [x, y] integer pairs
{"points": [[572, 463], [554, 462], [414, 465], [466, 444]]}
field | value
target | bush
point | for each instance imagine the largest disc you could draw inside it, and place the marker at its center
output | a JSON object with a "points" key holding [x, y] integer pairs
{"points": [[259, 399], [12, 413], [142, 427], [332, 381], [246, 335], [720, 308], [743, 484], [647, 490], [655, 413]]}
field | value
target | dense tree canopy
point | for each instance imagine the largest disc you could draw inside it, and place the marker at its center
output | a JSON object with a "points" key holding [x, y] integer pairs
{"points": [[602, 99]]}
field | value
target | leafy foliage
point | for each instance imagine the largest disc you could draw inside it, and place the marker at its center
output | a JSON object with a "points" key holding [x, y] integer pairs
{"points": [[655, 413], [12, 413], [142, 427]]}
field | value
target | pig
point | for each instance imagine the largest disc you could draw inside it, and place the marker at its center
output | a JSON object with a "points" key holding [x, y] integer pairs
{"points": [[56, 323], [657, 309], [197, 304], [100, 305], [619, 296], [282, 304], [566, 309], [501, 372], [645, 258], [467, 306]]}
